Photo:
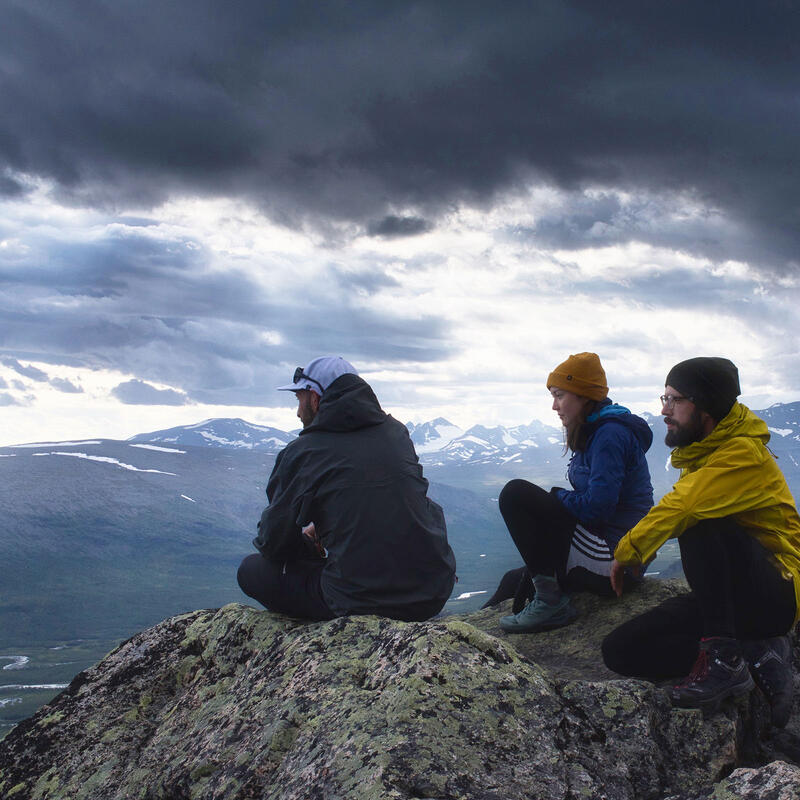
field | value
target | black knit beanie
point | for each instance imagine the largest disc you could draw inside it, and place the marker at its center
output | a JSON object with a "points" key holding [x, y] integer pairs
{"points": [[711, 382]]}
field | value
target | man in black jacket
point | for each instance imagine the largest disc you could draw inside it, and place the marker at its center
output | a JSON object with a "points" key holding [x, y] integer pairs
{"points": [[349, 528]]}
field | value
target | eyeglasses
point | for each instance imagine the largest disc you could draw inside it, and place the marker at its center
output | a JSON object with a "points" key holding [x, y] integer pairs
{"points": [[669, 400], [299, 375]]}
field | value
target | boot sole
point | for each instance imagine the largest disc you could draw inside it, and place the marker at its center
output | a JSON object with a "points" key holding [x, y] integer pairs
{"points": [[711, 704]]}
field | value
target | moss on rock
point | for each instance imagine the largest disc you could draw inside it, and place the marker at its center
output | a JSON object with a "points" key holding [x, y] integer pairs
{"points": [[240, 703]]}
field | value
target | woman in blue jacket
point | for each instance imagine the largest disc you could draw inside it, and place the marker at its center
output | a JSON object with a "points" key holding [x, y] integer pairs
{"points": [[567, 536]]}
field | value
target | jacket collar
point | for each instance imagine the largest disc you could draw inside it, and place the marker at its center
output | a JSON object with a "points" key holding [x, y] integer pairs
{"points": [[739, 421]]}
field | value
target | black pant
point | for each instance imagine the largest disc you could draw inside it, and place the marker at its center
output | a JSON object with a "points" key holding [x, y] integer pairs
{"points": [[292, 589], [542, 530], [539, 525], [737, 591]]}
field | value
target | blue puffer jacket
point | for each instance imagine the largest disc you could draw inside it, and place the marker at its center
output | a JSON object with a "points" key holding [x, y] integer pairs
{"points": [[610, 478]]}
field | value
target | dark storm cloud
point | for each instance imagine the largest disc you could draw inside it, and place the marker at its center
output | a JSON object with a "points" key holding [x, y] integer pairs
{"points": [[9, 187], [29, 372], [135, 392], [351, 109], [393, 227]]}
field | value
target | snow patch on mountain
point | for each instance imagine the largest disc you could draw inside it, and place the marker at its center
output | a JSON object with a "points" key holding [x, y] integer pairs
{"points": [[431, 436], [57, 444], [106, 460], [781, 431], [159, 449]]}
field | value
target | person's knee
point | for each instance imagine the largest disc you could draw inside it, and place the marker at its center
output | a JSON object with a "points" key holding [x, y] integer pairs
{"points": [[246, 574], [510, 492], [707, 541], [615, 649]]}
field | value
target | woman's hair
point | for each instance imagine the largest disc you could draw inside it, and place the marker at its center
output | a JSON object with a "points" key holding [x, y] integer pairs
{"points": [[576, 435]]}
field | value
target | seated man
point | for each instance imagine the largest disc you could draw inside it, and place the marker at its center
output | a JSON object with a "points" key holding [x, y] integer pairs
{"points": [[349, 528], [739, 537]]}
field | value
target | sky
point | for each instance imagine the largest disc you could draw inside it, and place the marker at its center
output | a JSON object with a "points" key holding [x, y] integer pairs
{"points": [[197, 197]]}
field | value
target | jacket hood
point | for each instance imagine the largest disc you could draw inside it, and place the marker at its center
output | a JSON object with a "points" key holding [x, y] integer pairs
{"points": [[739, 421], [347, 405], [612, 412]]}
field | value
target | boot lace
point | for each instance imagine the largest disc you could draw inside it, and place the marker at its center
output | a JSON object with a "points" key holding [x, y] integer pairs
{"points": [[699, 670]]}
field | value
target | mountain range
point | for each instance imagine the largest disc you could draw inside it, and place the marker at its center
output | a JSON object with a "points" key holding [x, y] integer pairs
{"points": [[482, 458]]}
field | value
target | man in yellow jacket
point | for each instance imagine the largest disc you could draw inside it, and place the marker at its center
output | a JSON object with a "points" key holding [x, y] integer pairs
{"points": [[739, 536]]}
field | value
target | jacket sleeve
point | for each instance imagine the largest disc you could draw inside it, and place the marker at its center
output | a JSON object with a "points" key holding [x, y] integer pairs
{"points": [[730, 482], [609, 451], [279, 536]]}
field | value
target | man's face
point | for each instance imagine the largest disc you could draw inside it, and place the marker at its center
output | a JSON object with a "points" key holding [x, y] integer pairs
{"points": [[307, 406], [684, 420]]}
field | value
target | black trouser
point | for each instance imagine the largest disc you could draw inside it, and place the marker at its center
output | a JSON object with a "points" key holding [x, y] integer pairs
{"points": [[292, 589], [542, 530], [737, 591]]}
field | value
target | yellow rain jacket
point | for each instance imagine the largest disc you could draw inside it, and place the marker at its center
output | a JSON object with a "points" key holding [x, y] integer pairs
{"points": [[730, 473]]}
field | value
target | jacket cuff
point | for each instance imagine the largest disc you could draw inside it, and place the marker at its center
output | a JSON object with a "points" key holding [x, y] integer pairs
{"points": [[626, 553]]}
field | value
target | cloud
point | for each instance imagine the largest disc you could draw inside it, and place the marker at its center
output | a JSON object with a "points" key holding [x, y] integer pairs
{"points": [[7, 400], [136, 392], [363, 280], [362, 108], [65, 385], [155, 302], [392, 227], [29, 372], [10, 187]]}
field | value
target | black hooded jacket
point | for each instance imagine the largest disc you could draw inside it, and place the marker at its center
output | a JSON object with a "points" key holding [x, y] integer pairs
{"points": [[354, 473]]}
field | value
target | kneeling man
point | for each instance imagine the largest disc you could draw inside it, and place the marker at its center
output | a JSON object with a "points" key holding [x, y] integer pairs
{"points": [[349, 528], [739, 536]]}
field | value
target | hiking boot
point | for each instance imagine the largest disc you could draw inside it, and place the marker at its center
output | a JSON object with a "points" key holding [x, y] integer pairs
{"points": [[771, 666], [539, 616], [719, 672]]}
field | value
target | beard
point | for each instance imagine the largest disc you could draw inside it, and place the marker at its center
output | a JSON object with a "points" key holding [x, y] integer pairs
{"points": [[683, 435]]}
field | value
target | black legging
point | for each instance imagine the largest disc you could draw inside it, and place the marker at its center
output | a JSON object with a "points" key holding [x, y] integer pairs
{"points": [[539, 525], [542, 530], [737, 591]]}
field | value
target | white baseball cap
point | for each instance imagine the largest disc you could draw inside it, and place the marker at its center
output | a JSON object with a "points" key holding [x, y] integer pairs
{"points": [[319, 374]]}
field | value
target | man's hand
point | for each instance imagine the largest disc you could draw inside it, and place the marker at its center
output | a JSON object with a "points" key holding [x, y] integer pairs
{"points": [[310, 532], [617, 576]]}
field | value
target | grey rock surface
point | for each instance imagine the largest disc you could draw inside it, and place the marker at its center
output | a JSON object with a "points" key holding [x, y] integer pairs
{"points": [[239, 703], [775, 781]]}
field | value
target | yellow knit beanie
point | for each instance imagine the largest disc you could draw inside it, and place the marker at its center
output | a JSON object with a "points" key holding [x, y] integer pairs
{"points": [[581, 374]]}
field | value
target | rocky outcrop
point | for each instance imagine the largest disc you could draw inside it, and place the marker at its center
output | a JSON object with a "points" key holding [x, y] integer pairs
{"points": [[239, 703]]}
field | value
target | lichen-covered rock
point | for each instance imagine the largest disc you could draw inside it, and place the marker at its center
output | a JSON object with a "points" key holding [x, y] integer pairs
{"points": [[239, 703], [574, 652], [775, 781]]}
